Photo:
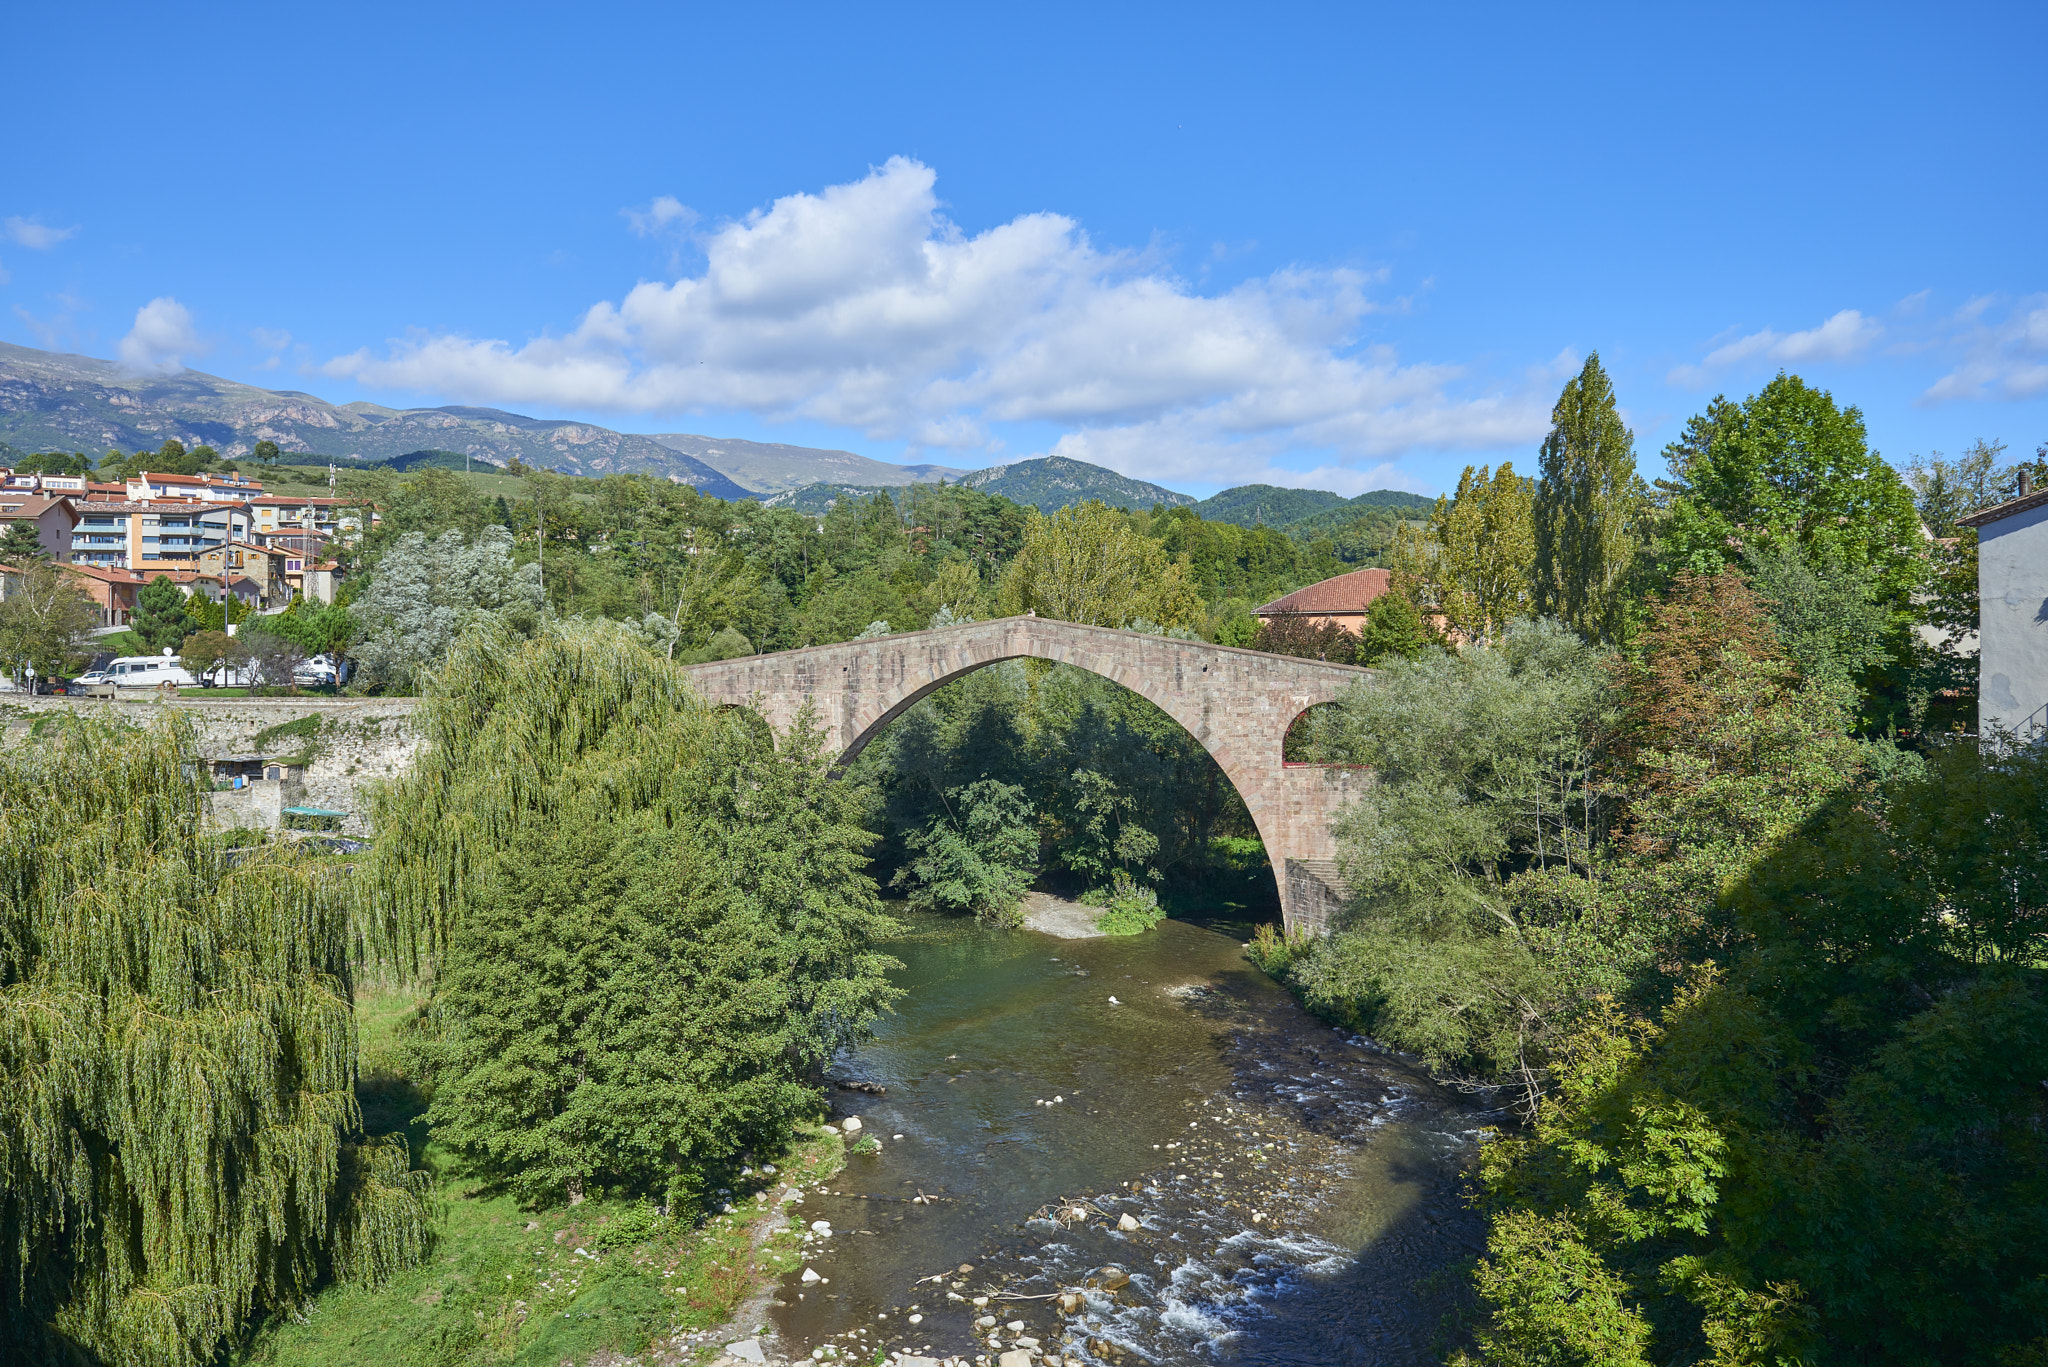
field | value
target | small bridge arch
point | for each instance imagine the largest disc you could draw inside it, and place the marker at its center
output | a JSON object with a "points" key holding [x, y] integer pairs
{"points": [[1238, 703]]}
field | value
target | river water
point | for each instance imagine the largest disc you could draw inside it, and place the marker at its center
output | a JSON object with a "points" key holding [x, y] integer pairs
{"points": [[1296, 1189]]}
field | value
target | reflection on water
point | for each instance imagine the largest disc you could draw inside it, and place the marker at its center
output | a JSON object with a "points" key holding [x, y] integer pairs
{"points": [[1290, 1187]]}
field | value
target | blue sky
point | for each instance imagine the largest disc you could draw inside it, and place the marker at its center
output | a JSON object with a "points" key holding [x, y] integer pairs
{"points": [[1343, 246]]}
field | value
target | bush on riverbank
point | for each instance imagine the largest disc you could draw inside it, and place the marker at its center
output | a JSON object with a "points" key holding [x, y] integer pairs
{"points": [[1130, 909]]}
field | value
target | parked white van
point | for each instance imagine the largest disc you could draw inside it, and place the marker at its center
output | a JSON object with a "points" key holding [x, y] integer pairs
{"points": [[147, 671]]}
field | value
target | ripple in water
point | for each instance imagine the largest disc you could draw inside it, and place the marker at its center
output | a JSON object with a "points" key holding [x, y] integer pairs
{"points": [[1295, 1190]]}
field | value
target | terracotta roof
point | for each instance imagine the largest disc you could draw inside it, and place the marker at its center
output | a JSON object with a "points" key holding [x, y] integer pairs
{"points": [[1351, 592], [299, 501], [113, 574], [2038, 498], [151, 477]]}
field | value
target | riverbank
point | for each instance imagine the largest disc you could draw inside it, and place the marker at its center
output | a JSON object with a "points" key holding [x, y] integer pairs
{"points": [[600, 1284]]}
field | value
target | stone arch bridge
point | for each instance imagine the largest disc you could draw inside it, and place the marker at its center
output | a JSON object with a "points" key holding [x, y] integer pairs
{"points": [[1238, 703]]}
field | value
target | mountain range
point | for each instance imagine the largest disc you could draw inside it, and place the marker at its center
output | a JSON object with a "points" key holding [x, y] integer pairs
{"points": [[52, 401]]}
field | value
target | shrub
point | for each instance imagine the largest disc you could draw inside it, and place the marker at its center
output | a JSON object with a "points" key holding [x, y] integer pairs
{"points": [[1132, 910]]}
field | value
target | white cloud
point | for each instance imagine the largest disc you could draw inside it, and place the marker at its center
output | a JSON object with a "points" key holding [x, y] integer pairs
{"points": [[666, 215], [864, 306], [1843, 337], [36, 236], [161, 338], [2006, 359]]}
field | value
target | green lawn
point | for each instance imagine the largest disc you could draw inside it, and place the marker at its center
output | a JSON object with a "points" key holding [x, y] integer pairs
{"points": [[507, 1284]]}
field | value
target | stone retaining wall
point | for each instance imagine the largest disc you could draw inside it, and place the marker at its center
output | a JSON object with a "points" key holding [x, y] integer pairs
{"points": [[360, 740]]}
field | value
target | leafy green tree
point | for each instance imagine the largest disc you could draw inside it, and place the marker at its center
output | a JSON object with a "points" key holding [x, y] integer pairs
{"points": [[1827, 615], [980, 856], [1087, 564], [44, 622], [1487, 767], [1109, 834], [1826, 1147], [1393, 628], [1789, 465], [182, 1147], [160, 618], [266, 452], [23, 543], [206, 651], [1591, 509], [275, 655], [1944, 490], [662, 929], [1473, 562], [425, 594]]}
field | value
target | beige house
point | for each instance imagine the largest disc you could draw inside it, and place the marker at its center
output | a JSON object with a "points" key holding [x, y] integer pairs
{"points": [[259, 565], [53, 515]]}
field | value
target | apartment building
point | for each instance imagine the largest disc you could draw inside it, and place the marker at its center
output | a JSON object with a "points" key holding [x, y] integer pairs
{"points": [[223, 488], [303, 523], [16, 481], [137, 534]]}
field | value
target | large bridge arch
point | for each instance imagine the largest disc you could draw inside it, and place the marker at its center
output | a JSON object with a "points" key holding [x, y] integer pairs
{"points": [[1237, 703]]}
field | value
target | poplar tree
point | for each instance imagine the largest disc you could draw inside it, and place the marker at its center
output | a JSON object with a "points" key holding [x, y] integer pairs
{"points": [[1471, 563], [180, 1145], [1590, 509]]}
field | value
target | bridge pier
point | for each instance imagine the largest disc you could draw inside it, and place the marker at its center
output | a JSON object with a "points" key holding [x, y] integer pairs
{"points": [[1238, 703]]}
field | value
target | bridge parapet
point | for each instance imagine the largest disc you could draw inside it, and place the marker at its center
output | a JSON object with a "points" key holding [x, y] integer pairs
{"points": [[1238, 703]]}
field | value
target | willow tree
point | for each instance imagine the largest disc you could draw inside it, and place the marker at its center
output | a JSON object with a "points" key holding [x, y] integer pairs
{"points": [[1591, 509], [181, 1146], [650, 926]]}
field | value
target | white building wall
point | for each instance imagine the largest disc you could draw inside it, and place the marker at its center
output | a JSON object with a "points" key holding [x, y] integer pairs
{"points": [[2012, 589]]}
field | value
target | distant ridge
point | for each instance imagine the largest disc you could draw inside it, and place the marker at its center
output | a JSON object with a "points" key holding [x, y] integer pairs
{"points": [[1053, 482], [1267, 505], [770, 467], [55, 402]]}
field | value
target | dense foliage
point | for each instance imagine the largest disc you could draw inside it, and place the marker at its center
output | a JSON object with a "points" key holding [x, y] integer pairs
{"points": [[181, 1144], [1771, 998], [1052, 769], [651, 925]]}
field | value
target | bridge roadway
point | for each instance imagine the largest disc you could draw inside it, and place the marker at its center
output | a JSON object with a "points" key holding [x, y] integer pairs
{"points": [[1237, 703]]}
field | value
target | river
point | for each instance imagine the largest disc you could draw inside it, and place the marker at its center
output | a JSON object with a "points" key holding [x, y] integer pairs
{"points": [[1295, 1189]]}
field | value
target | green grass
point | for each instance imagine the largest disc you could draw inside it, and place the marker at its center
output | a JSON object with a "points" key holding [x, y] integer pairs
{"points": [[305, 729], [505, 1284]]}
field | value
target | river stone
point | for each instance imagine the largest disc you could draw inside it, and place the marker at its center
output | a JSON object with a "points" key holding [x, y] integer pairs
{"points": [[851, 1124], [913, 1360], [748, 1350], [1125, 1223], [810, 1275], [1111, 1279], [1016, 1357], [821, 1226]]}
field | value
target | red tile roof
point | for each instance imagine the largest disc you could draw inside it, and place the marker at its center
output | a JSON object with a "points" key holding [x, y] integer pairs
{"points": [[1347, 593]]}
